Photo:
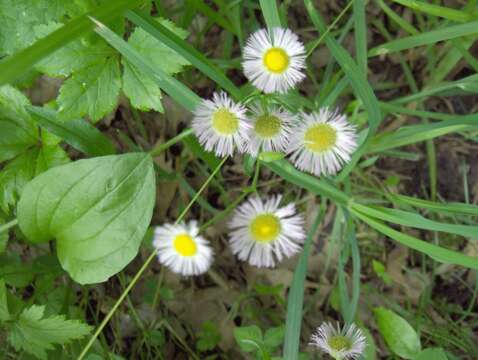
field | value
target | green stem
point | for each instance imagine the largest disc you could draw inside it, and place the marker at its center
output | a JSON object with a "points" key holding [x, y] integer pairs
{"points": [[8, 225], [163, 146], [144, 267]]}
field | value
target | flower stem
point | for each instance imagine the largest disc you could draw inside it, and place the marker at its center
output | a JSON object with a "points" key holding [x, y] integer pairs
{"points": [[163, 146], [8, 225], [145, 265]]}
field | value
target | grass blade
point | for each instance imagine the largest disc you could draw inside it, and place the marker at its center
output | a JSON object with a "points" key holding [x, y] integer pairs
{"points": [[357, 79], [296, 297], [410, 219], [311, 183], [270, 13], [437, 10], [197, 59], [17, 64], [447, 208], [360, 34], [427, 38], [436, 252], [78, 133]]}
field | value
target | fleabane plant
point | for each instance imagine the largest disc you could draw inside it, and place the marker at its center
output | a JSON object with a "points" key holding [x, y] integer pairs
{"points": [[274, 61]]}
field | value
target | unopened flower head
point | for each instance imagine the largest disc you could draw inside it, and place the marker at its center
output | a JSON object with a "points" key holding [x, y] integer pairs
{"points": [[323, 142], [346, 343], [220, 125], [182, 249], [262, 232], [274, 61], [270, 130]]}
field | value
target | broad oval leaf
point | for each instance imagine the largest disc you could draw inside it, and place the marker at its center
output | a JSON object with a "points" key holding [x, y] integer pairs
{"points": [[400, 337], [97, 209]]}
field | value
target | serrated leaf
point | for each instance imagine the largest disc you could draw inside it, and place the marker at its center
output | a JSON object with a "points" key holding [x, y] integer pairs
{"points": [[92, 91], [19, 17], [18, 130], [15, 272], [141, 89], [249, 338], [25, 167], [97, 209], [273, 337], [156, 52], [400, 337], [36, 334], [72, 57], [4, 313], [78, 133]]}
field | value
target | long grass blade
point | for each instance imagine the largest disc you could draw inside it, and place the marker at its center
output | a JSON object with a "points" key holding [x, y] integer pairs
{"points": [[295, 299], [78, 132], [427, 38], [436, 252], [440, 11], [358, 81], [17, 64], [270, 13]]}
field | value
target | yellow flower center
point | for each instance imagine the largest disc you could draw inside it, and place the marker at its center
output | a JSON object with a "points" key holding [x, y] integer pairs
{"points": [[185, 245], [276, 60], [267, 126], [225, 122], [320, 138], [339, 342], [265, 228]]}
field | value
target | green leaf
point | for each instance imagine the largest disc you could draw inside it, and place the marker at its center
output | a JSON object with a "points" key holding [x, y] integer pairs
{"points": [[72, 57], [19, 18], [176, 89], [249, 338], [274, 337], [92, 91], [431, 354], [209, 336], [18, 131], [18, 64], [78, 133], [400, 337], [14, 271], [97, 209], [195, 57], [155, 52], [4, 313], [3, 237], [142, 91], [23, 168], [141, 87], [35, 334]]}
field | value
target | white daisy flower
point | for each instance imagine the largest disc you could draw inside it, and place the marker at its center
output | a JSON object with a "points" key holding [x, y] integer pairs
{"points": [[220, 124], [323, 142], [341, 344], [274, 62], [182, 249], [262, 232], [270, 130]]}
